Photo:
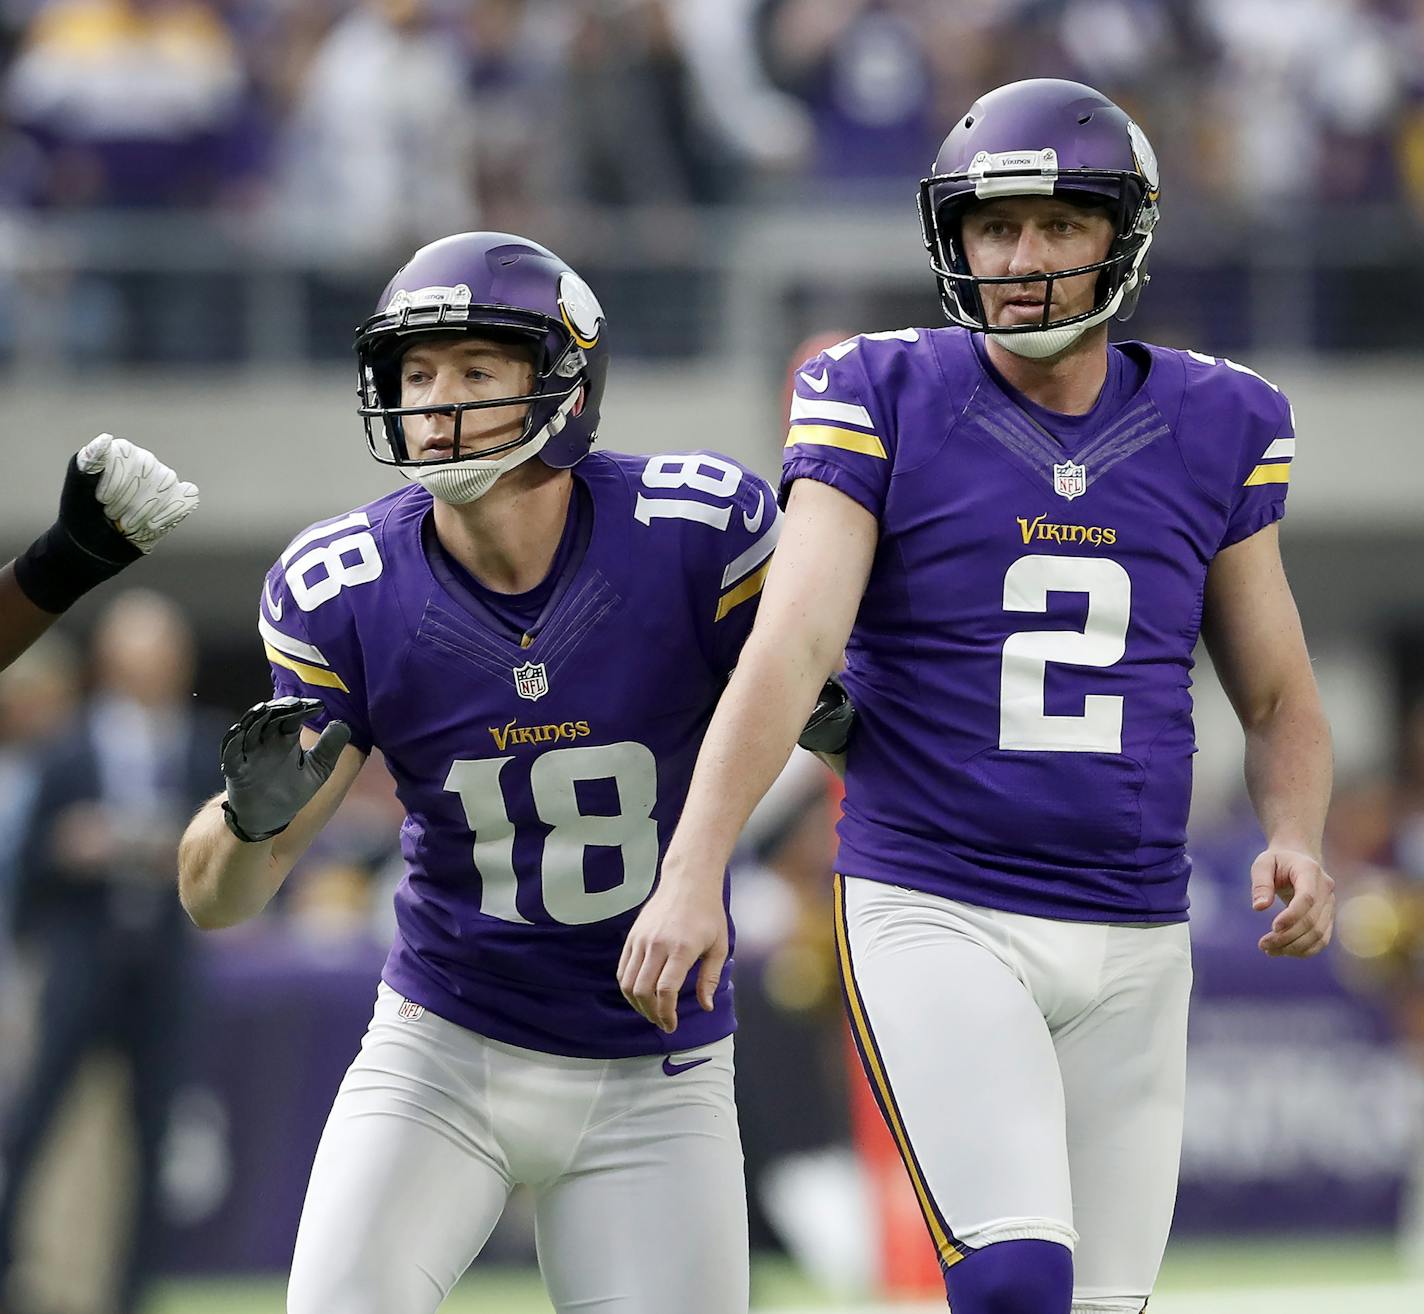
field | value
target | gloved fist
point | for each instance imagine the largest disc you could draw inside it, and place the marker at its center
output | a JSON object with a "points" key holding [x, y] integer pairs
{"points": [[141, 496], [270, 777], [118, 500]]}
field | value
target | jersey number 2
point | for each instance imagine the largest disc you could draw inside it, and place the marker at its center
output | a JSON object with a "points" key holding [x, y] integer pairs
{"points": [[553, 777], [1024, 725]]}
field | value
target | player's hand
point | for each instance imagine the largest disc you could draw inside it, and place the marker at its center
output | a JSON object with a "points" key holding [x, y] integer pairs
{"points": [[682, 925], [1303, 927], [270, 778], [117, 501], [135, 492]]}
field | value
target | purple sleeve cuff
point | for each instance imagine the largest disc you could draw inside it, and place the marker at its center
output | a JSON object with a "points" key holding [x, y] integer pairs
{"points": [[837, 476]]}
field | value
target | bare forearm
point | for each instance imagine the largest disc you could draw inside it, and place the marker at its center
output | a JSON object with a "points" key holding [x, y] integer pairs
{"points": [[1289, 770], [751, 736], [221, 880]]}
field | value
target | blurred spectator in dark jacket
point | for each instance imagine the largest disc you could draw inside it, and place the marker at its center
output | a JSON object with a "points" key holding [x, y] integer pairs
{"points": [[38, 696], [98, 905]]}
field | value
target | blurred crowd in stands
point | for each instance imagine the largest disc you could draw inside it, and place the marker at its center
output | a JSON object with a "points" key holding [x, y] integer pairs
{"points": [[346, 121], [328, 133]]}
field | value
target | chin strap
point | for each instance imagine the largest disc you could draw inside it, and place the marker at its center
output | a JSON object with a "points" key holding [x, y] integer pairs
{"points": [[462, 482]]}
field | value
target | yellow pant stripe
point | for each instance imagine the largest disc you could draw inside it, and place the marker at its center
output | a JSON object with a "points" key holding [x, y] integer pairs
{"points": [[949, 1251]]}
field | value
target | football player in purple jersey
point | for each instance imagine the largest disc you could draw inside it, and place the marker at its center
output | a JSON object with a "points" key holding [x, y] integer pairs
{"points": [[1016, 531], [117, 501], [535, 636]]}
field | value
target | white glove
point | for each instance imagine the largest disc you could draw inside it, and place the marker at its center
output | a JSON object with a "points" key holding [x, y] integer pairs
{"points": [[141, 495]]}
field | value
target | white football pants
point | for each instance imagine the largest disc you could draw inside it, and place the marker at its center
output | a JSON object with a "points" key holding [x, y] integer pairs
{"points": [[1032, 1072], [637, 1175]]}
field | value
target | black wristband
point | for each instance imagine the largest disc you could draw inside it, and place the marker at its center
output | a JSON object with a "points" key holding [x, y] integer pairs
{"points": [[80, 550], [55, 572], [232, 824]]}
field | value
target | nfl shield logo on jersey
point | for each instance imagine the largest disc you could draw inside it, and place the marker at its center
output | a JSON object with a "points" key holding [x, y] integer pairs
{"points": [[530, 681], [1070, 480]]}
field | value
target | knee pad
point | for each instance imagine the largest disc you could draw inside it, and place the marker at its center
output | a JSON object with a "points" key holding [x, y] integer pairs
{"points": [[1012, 1277]]}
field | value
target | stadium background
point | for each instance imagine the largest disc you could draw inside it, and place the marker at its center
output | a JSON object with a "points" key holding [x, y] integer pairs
{"points": [[199, 200]]}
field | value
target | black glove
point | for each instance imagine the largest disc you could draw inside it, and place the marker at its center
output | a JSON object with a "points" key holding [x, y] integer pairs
{"points": [[829, 725], [270, 778], [118, 500]]}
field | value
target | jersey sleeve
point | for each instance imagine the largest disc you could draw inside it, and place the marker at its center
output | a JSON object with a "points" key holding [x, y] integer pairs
{"points": [[742, 560], [835, 436], [311, 656], [1264, 465]]}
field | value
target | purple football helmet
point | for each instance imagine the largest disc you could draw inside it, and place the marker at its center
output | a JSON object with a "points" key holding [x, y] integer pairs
{"points": [[491, 285], [1043, 137]]}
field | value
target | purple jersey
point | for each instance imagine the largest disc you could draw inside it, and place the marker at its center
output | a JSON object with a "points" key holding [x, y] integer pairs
{"points": [[1021, 662], [541, 773]]}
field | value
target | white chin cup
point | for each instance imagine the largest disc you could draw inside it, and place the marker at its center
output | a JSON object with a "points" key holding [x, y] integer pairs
{"points": [[460, 482], [1042, 343]]}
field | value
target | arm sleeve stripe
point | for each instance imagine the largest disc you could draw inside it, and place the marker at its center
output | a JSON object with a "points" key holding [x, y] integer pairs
{"points": [[285, 643], [1268, 474], [1282, 447], [307, 674], [754, 555], [804, 408], [748, 588], [323, 531], [824, 435]]}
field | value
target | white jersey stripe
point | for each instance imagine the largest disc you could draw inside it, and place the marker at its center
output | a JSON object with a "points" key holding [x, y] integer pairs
{"points": [[285, 643], [754, 555], [1278, 449], [811, 408]]}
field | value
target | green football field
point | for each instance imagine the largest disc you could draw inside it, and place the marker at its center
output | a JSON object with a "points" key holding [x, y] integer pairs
{"points": [[1326, 1275]]}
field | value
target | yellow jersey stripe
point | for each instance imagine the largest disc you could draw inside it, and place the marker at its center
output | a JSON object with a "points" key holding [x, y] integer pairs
{"points": [[748, 588], [1268, 474], [308, 674], [830, 435], [949, 1252]]}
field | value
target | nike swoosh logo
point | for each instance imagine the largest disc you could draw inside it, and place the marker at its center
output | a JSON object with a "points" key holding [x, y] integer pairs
{"points": [[672, 1069], [753, 523], [815, 384], [273, 605]]}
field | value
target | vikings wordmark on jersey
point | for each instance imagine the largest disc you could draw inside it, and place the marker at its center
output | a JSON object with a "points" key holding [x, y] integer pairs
{"points": [[541, 773], [1040, 688]]}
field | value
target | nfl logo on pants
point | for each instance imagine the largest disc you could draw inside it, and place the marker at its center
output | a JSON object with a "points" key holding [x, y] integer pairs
{"points": [[530, 681], [1070, 480]]}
